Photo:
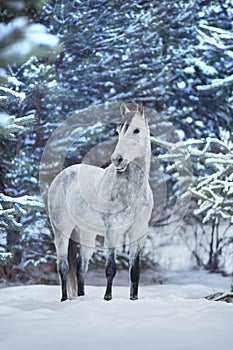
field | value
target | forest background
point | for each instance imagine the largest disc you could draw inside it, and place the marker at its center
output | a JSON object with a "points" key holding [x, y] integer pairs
{"points": [[59, 57]]}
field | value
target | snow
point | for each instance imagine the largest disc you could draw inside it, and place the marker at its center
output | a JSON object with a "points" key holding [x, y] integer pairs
{"points": [[206, 69], [224, 34], [181, 84], [5, 256], [216, 84], [26, 39], [172, 316], [5, 120], [189, 70], [24, 201], [20, 95]]}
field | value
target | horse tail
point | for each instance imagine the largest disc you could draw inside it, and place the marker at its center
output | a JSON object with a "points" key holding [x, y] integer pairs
{"points": [[72, 273]]}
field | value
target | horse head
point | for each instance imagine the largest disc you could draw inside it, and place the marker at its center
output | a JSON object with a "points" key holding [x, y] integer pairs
{"points": [[133, 139]]}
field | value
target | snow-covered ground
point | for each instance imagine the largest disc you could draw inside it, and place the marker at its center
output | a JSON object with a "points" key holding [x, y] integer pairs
{"points": [[171, 316]]}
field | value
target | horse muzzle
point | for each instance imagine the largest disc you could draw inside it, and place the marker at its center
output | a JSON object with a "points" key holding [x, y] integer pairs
{"points": [[119, 163]]}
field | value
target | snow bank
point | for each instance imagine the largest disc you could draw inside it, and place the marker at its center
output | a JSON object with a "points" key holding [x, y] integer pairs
{"points": [[165, 317]]}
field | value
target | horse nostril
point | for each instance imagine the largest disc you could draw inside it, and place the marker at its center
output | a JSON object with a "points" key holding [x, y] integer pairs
{"points": [[119, 159]]}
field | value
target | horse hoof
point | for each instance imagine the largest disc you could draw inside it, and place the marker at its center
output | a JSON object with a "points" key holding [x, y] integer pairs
{"points": [[134, 297], [63, 299], [108, 297]]}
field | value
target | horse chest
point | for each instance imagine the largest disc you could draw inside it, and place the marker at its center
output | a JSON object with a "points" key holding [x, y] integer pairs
{"points": [[124, 206]]}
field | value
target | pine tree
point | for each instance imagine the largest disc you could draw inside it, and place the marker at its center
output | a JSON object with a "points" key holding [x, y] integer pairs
{"points": [[12, 207], [19, 40], [176, 58], [214, 193]]}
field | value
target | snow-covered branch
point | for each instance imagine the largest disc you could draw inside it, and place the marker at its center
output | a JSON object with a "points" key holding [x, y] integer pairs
{"points": [[19, 95], [24, 201], [213, 192], [216, 84], [10, 124], [224, 34], [19, 40]]}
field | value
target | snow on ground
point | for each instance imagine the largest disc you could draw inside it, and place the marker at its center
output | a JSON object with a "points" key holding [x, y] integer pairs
{"points": [[171, 316]]}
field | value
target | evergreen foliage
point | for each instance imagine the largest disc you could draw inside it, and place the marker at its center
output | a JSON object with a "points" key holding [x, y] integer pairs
{"points": [[175, 58], [19, 40]]}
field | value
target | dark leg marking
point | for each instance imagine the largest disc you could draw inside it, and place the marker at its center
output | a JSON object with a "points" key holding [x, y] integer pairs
{"points": [[63, 270], [134, 276], [80, 275], [110, 272]]}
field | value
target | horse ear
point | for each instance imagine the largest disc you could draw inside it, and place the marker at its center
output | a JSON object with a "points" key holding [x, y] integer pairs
{"points": [[140, 109], [124, 109]]}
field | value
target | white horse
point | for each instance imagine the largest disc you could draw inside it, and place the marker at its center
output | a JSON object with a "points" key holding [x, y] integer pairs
{"points": [[85, 201]]}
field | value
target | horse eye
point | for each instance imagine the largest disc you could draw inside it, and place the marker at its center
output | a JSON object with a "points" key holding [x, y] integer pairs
{"points": [[136, 131]]}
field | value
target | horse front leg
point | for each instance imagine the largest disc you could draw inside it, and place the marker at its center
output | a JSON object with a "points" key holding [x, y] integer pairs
{"points": [[110, 271], [135, 262]]}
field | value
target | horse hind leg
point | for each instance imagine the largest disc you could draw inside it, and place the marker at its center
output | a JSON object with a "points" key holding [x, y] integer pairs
{"points": [[63, 271], [80, 277], [83, 258], [62, 243]]}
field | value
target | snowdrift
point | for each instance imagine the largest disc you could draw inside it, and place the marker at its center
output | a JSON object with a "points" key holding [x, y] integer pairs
{"points": [[165, 317]]}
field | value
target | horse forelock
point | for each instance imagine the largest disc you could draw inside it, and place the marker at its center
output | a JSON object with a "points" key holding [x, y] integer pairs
{"points": [[126, 121]]}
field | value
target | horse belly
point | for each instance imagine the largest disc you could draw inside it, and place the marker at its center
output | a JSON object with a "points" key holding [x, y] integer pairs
{"points": [[82, 199], [86, 217]]}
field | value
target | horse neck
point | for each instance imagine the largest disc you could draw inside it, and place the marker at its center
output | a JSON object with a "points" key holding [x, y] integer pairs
{"points": [[142, 170], [138, 172], [139, 169], [144, 162]]}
